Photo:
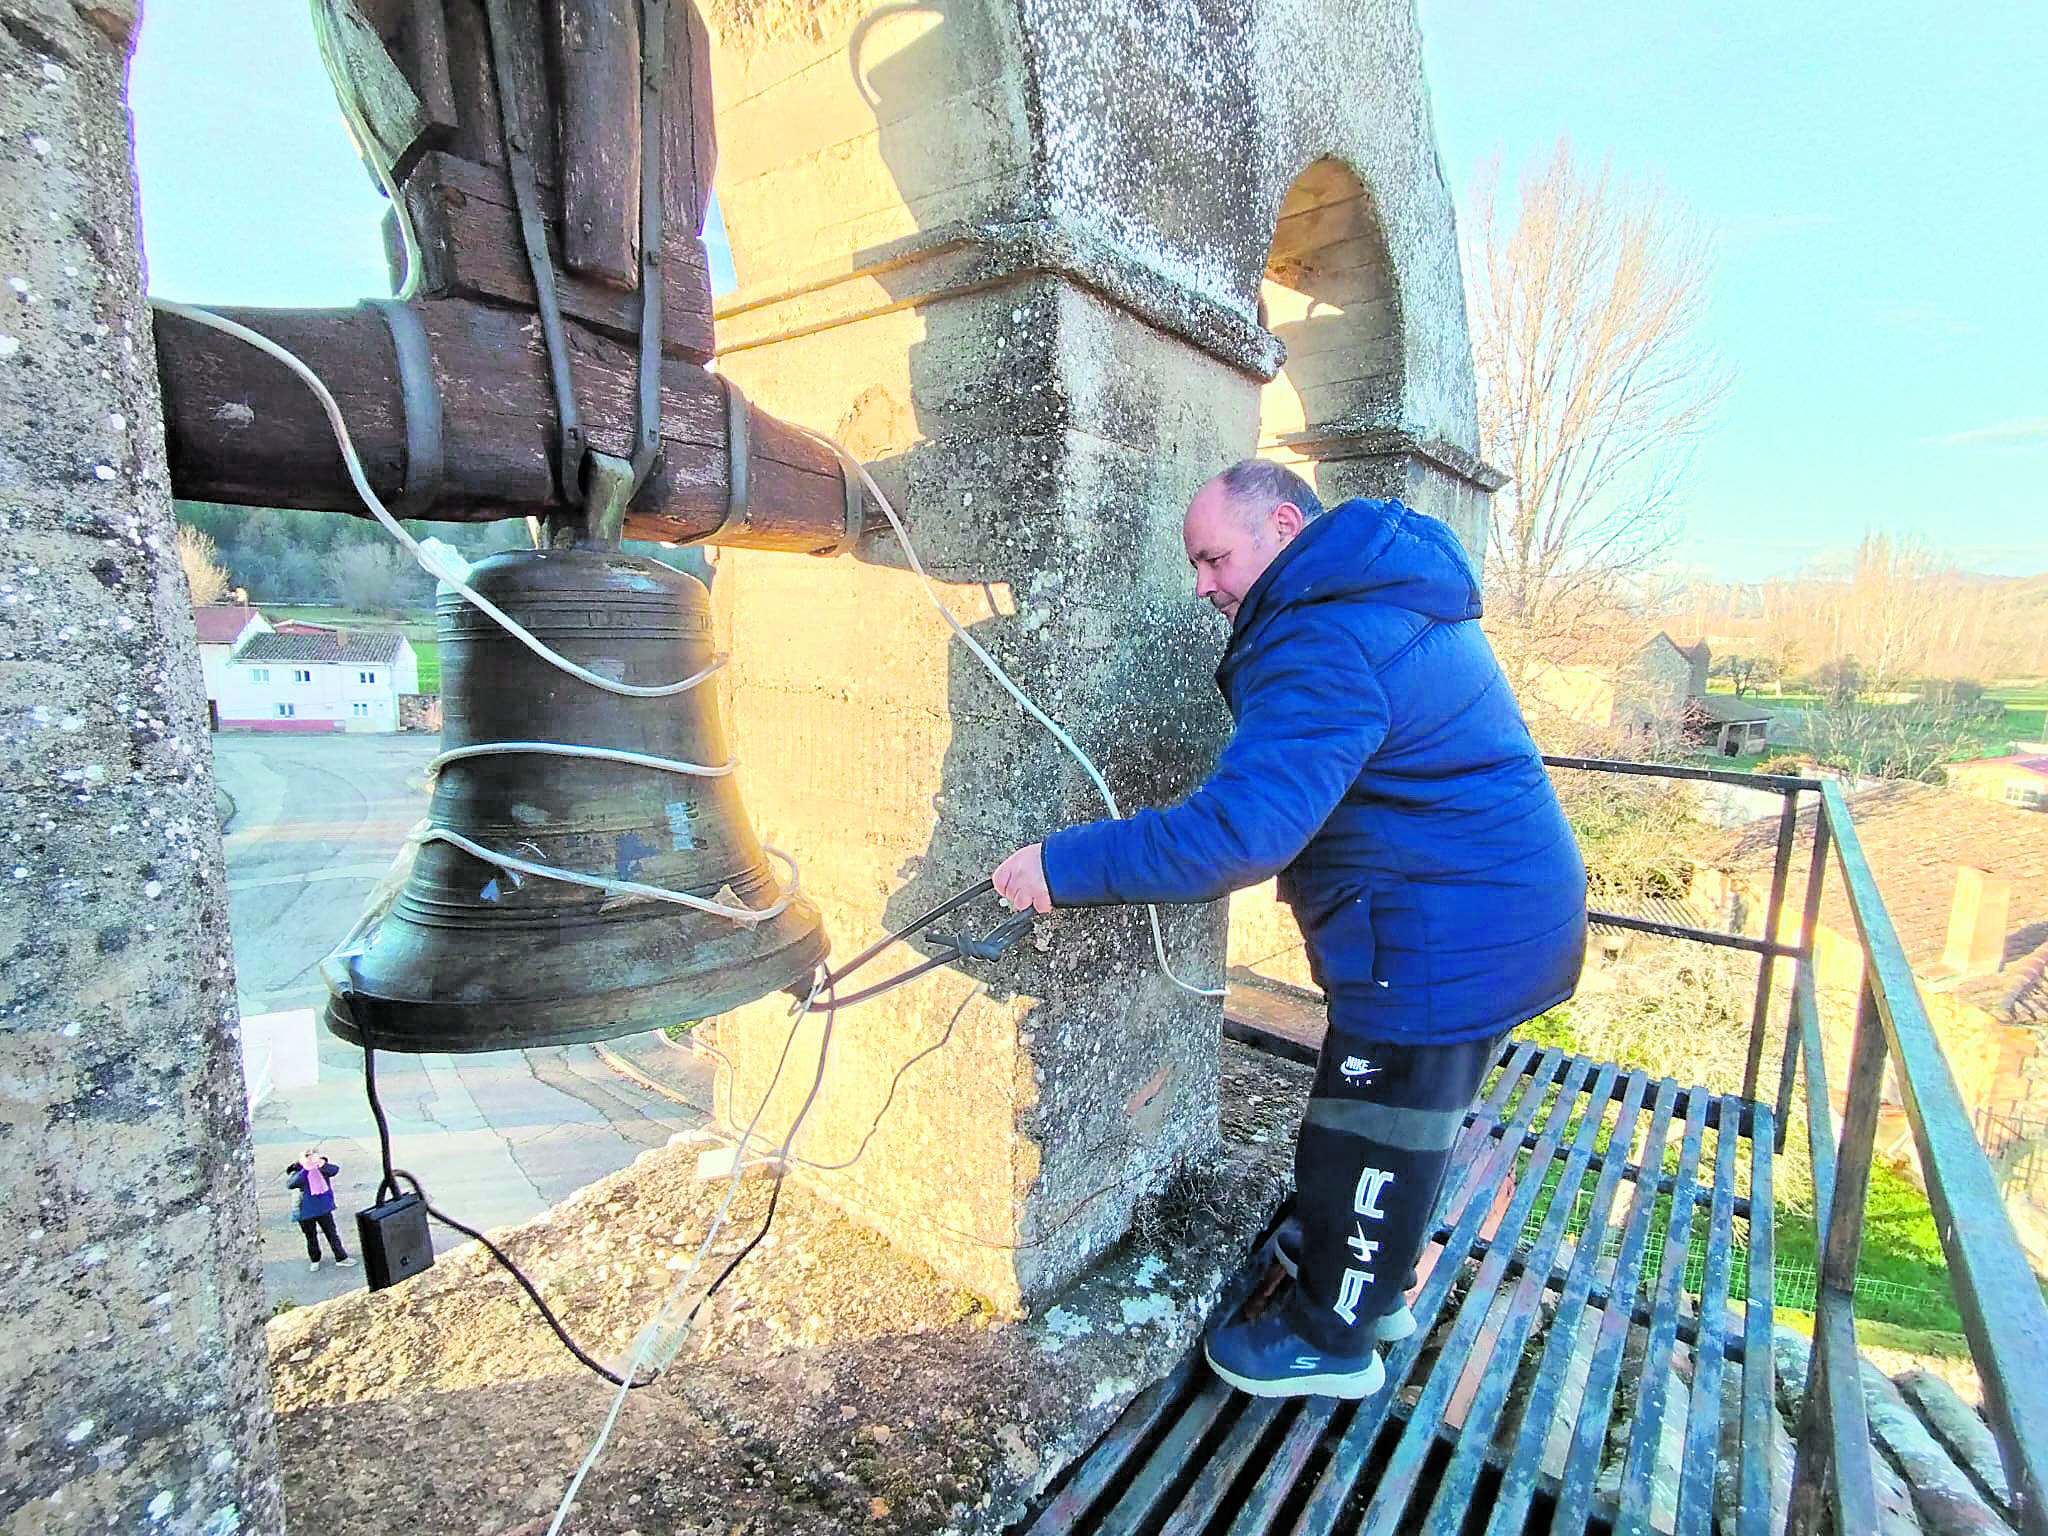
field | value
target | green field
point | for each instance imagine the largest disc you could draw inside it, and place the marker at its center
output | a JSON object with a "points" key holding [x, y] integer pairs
{"points": [[2025, 717], [2026, 710]]}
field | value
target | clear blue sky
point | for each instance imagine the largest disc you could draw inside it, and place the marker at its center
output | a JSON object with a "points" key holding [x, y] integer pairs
{"points": [[1876, 174]]}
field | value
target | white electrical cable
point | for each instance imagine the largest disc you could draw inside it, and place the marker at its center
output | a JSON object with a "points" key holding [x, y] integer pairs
{"points": [[439, 569], [995, 670], [512, 627], [429, 562], [748, 916], [564, 749], [658, 1339]]}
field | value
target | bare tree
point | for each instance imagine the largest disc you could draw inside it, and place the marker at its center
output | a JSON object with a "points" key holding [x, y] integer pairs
{"points": [[1894, 603], [201, 560], [1595, 378], [371, 578]]}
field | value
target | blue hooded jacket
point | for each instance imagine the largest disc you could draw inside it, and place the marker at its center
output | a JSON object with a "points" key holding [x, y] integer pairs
{"points": [[1381, 768]]}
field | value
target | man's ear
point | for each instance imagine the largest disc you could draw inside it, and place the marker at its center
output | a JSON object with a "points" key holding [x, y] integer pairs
{"points": [[1288, 521]]}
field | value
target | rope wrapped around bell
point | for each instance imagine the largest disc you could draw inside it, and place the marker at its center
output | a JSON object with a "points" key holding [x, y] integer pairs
{"points": [[629, 803]]}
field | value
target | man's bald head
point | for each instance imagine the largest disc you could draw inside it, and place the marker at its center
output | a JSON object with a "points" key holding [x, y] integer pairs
{"points": [[1238, 522], [1254, 487]]}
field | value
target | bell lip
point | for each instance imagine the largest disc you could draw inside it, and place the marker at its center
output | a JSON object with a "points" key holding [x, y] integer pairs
{"points": [[410, 1026]]}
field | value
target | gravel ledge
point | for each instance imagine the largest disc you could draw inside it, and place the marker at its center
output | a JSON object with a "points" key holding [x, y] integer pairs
{"points": [[834, 1385]]}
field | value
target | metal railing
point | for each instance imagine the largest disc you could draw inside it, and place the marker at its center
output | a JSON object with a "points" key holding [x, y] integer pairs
{"points": [[2017, 1145], [1994, 1291]]}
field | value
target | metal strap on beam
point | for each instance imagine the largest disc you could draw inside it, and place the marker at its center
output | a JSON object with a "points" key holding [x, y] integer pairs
{"points": [[533, 233], [653, 82], [856, 506], [420, 392]]}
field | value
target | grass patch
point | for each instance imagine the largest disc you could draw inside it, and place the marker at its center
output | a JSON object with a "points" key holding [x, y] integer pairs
{"points": [[429, 653], [1902, 1277], [2026, 711], [414, 626], [1875, 1335]]}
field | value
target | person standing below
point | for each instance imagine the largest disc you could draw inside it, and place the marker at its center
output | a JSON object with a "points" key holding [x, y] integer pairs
{"points": [[1380, 767], [313, 1177]]}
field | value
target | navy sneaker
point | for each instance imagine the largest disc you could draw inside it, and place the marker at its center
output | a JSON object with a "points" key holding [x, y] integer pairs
{"points": [[1267, 1358], [1284, 1249]]}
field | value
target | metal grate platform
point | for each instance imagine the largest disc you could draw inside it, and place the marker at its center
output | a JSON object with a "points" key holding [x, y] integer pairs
{"points": [[1584, 1361]]}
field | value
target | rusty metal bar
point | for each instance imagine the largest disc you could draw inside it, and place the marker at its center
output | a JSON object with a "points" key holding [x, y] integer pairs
{"points": [[1834, 1439], [1780, 782], [1760, 1013], [1703, 1418], [1742, 941], [2003, 1314], [1459, 1482], [1809, 921], [1759, 1368]]}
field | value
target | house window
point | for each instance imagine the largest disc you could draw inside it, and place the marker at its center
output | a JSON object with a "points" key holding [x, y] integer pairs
{"points": [[361, 711], [2022, 794], [286, 711], [260, 674], [302, 674], [366, 677]]}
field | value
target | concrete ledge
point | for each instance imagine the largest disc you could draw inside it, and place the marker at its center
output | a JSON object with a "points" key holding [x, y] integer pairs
{"points": [[962, 256], [834, 1386], [1378, 441]]}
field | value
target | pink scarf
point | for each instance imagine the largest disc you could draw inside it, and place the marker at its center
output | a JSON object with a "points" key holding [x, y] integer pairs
{"points": [[316, 1181]]}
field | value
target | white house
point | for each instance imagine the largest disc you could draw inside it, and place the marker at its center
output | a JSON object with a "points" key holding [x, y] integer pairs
{"points": [[318, 680], [223, 628]]}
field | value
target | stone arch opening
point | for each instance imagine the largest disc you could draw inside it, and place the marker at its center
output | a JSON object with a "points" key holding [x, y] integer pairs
{"points": [[1329, 295]]}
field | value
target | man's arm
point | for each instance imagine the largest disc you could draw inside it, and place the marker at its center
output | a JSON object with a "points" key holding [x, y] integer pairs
{"points": [[1313, 713]]}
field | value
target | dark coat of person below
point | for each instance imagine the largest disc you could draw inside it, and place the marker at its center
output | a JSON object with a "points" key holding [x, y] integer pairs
{"points": [[1380, 767], [311, 1207]]}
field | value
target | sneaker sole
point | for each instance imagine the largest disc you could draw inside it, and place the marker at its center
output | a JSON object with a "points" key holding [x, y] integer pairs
{"points": [[1391, 1329], [1350, 1385]]}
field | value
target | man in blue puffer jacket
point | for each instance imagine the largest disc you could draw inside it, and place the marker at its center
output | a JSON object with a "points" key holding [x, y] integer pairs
{"points": [[1381, 769]]}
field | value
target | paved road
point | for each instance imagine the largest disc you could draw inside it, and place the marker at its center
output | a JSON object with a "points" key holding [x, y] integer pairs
{"points": [[495, 1137]]}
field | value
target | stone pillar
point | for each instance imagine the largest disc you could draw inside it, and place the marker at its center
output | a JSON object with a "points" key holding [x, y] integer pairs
{"points": [[133, 1384], [1009, 252]]}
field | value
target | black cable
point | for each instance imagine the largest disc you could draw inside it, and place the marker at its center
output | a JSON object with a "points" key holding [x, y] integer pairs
{"points": [[951, 954], [901, 978], [895, 1083], [782, 1159], [393, 1175]]}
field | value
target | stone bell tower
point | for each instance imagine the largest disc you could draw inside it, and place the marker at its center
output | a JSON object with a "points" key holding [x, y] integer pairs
{"points": [[1045, 266]]}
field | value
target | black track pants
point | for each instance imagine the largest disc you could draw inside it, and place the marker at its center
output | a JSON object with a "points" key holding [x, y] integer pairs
{"points": [[1368, 1170], [312, 1226]]}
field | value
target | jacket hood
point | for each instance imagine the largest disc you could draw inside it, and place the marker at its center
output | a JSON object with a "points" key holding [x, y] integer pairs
{"points": [[1366, 551]]}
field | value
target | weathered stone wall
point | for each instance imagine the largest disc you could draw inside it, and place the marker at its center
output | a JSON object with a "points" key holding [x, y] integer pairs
{"points": [[1011, 252], [133, 1385]]}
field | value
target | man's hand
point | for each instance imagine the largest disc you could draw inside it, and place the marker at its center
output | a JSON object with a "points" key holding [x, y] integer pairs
{"points": [[1020, 879]]}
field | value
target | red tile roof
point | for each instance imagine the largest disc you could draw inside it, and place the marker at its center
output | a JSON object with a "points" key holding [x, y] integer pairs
{"points": [[2029, 762], [348, 647], [221, 623], [1915, 837]]}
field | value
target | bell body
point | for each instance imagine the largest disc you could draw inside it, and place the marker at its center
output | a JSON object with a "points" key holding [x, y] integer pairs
{"points": [[472, 957]]}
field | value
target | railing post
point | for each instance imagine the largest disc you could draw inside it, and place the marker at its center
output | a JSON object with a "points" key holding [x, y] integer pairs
{"points": [[1834, 1436], [1803, 967], [1781, 870]]}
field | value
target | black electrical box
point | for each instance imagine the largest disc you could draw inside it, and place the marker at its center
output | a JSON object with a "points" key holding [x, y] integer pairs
{"points": [[394, 1241]]}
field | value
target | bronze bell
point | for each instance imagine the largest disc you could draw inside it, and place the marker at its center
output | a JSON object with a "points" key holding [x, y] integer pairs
{"points": [[471, 957]]}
